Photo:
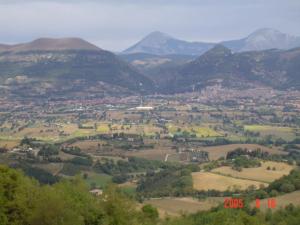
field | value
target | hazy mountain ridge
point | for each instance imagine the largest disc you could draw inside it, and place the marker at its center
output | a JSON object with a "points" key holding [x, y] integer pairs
{"points": [[56, 63], [275, 68], [68, 60], [262, 39], [162, 44]]}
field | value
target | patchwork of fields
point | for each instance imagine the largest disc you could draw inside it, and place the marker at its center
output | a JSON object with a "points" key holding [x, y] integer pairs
{"points": [[262, 174]]}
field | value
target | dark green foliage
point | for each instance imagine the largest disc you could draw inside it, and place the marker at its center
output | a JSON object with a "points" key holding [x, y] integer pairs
{"points": [[41, 175], [132, 165], [258, 153], [49, 150], [74, 151], [287, 183], [120, 178], [70, 169], [150, 212], [168, 182], [83, 161], [24, 201], [244, 162]]}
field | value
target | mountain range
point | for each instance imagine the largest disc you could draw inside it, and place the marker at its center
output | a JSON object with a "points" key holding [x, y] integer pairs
{"points": [[275, 68], [159, 43], [74, 67]]}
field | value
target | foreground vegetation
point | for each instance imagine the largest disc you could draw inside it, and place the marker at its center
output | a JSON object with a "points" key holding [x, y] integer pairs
{"points": [[25, 202]]}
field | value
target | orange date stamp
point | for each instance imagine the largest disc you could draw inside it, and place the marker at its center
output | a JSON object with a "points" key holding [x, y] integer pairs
{"points": [[238, 203]]}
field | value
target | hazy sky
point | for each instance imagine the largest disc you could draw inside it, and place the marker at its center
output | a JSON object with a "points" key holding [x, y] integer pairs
{"points": [[117, 24]]}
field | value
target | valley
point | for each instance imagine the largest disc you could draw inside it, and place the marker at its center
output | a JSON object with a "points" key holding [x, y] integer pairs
{"points": [[168, 128]]}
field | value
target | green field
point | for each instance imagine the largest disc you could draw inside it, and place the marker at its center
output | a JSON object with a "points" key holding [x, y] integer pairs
{"points": [[287, 133], [100, 180]]}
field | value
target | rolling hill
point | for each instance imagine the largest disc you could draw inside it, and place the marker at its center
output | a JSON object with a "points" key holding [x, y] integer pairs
{"points": [[275, 68], [67, 61]]}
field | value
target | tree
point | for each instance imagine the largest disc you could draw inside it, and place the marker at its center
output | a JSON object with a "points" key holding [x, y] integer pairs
{"points": [[150, 211], [287, 187]]}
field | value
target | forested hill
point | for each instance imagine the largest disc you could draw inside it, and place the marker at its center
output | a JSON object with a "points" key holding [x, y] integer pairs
{"points": [[25, 202]]}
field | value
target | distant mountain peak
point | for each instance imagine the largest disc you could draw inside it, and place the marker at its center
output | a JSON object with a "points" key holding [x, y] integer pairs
{"points": [[262, 39], [155, 38], [158, 35], [53, 44], [159, 43]]}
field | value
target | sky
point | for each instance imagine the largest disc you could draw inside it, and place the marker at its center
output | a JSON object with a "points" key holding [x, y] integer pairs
{"points": [[117, 24]]}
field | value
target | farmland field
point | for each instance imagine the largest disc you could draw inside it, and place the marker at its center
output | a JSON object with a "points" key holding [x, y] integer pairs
{"points": [[210, 181], [200, 132], [99, 180], [216, 152], [154, 154], [175, 206], [258, 173], [9, 144], [283, 132], [88, 145]]}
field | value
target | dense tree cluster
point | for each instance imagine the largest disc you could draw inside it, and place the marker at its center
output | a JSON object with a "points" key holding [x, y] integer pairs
{"points": [[287, 183], [168, 182], [133, 164], [24, 201]]}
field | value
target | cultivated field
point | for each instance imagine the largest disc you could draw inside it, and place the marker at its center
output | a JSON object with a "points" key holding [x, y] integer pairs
{"points": [[258, 173], [283, 132], [98, 180], [9, 144], [89, 145], [215, 152], [210, 181], [176, 206], [153, 154]]}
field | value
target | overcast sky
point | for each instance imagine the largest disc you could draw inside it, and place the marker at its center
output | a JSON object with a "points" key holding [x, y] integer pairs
{"points": [[117, 24]]}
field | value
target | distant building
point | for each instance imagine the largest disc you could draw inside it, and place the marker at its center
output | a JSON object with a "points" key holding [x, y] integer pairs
{"points": [[198, 156], [142, 108], [96, 192]]}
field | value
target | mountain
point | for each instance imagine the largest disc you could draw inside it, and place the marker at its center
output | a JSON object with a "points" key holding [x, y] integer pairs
{"points": [[51, 44], [4, 47], [162, 44], [146, 62], [275, 68], [262, 39], [159, 43], [66, 62]]}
